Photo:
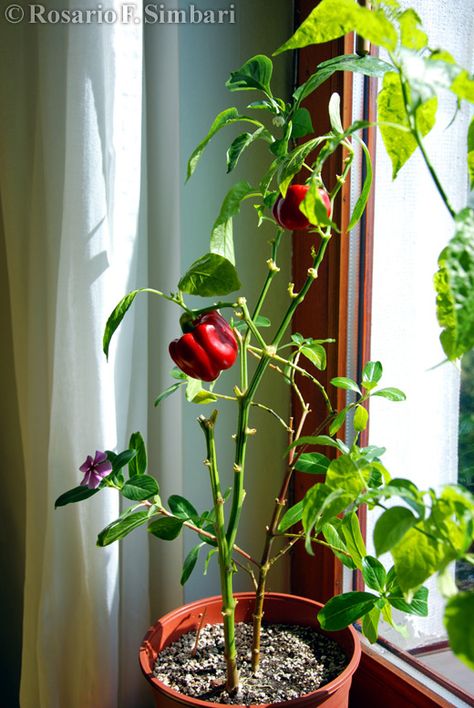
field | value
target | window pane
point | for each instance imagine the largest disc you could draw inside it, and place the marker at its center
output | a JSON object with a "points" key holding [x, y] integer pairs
{"points": [[411, 227]]}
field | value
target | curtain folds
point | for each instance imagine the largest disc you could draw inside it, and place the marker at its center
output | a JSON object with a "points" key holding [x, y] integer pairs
{"points": [[96, 122], [71, 182]]}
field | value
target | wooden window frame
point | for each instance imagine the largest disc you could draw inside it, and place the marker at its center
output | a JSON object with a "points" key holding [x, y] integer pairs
{"points": [[324, 312]]}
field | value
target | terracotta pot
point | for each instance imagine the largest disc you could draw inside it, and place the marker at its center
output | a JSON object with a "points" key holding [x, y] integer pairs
{"points": [[279, 608]]}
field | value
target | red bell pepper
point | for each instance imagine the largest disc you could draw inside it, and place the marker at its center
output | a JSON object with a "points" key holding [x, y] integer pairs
{"points": [[207, 346]]}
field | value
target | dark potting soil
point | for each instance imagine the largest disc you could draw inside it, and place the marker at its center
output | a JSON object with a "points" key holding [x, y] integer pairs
{"points": [[294, 661]]}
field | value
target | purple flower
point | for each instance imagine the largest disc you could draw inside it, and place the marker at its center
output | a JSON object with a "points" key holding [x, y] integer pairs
{"points": [[95, 469]]}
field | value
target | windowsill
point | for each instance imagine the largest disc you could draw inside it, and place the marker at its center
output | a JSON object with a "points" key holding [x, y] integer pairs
{"points": [[383, 673], [445, 663]]}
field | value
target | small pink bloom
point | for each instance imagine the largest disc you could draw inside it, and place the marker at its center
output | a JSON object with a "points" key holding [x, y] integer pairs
{"points": [[95, 469]]}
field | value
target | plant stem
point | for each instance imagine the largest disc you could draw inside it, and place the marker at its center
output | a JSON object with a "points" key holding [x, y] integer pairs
{"points": [[415, 131], [265, 562], [205, 534], [433, 173], [245, 401], [224, 555], [247, 397]]}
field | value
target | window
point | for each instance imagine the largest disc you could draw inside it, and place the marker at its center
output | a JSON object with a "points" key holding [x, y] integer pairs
{"points": [[421, 435], [378, 281]]}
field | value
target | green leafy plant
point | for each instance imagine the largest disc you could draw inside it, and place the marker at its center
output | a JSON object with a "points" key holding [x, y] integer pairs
{"points": [[423, 530]]}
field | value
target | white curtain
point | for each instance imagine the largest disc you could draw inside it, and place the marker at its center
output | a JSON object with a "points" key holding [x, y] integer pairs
{"points": [[91, 174], [70, 185]]}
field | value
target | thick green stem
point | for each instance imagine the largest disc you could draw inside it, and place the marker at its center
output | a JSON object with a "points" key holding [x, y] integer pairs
{"points": [[247, 397], [245, 401], [225, 557]]}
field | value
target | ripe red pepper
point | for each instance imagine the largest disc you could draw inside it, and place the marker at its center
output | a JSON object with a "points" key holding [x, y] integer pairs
{"points": [[207, 346], [286, 211]]}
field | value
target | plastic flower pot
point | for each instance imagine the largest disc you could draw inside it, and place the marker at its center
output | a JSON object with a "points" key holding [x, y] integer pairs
{"points": [[279, 608]]}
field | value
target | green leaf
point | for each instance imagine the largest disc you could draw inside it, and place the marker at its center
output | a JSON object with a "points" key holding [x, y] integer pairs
{"points": [[350, 530], [222, 240], [342, 610], [409, 492], [210, 275], [178, 374], [412, 37], [287, 167], [190, 562], [459, 623], [193, 387], [265, 105], [368, 65], [314, 209], [387, 616], [291, 517], [116, 317], [454, 285], [211, 553], [417, 606], [302, 124], [227, 117], [195, 393], [167, 392], [319, 440], [256, 73], [321, 505], [182, 508], [75, 495], [338, 421], [446, 582], [393, 394], [371, 374], [338, 547], [372, 452], [373, 573], [463, 86], [419, 554], [314, 82], [209, 528], [363, 198], [119, 461], [470, 153], [137, 464], [265, 182], [166, 528], [121, 527], [312, 463], [139, 488], [345, 383], [204, 397], [399, 141], [370, 625], [335, 18], [391, 526], [361, 417], [316, 354], [241, 143], [344, 473]]}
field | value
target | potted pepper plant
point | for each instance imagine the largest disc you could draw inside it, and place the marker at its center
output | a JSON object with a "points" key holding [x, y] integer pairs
{"points": [[424, 531]]}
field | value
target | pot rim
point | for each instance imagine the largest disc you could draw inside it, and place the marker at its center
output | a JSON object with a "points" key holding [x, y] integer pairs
{"points": [[184, 610]]}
